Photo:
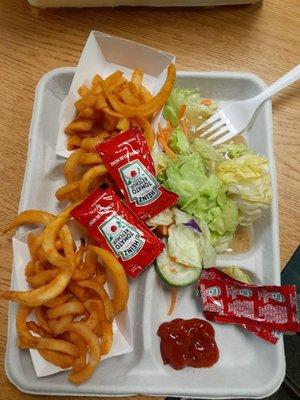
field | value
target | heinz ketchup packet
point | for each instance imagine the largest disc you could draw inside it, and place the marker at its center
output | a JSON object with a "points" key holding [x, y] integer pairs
{"points": [[226, 300], [265, 334], [119, 230], [129, 162]]}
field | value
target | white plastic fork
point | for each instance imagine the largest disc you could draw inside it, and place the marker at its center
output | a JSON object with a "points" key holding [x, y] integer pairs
{"points": [[234, 118]]}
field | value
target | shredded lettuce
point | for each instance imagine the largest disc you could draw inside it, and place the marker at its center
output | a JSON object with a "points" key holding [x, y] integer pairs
{"points": [[180, 217], [187, 245], [160, 158], [232, 150], [198, 109], [179, 142], [237, 273], [221, 242], [164, 218], [206, 150], [201, 196], [177, 98], [249, 184], [184, 175]]}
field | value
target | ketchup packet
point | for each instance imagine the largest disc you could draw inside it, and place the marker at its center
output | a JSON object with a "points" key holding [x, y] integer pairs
{"points": [[226, 300], [119, 230], [129, 162], [265, 334]]}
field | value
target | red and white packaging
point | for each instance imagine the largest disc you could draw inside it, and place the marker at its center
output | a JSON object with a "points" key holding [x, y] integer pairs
{"points": [[265, 334], [226, 300], [115, 227], [129, 162]]}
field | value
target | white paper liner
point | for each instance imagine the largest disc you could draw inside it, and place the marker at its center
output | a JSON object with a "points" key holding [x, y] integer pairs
{"points": [[122, 335], [104, 54]]}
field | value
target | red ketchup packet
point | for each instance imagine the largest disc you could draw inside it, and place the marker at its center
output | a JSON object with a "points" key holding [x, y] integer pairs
{"points": [[265, 334], [129, 162], [226, 300], [116, 228]]}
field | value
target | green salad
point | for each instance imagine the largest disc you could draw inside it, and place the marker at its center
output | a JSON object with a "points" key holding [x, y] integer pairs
{"points": [[219, 189]]}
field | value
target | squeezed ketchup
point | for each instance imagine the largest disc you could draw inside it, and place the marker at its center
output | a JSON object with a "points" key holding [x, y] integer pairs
{"points": [[188, 343]]}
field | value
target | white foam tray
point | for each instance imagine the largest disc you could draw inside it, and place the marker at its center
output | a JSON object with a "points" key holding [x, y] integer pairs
{"points": [[248, 366]]}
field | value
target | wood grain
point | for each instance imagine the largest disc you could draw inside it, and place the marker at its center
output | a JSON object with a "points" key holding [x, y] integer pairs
{"points": [[262, 38]]}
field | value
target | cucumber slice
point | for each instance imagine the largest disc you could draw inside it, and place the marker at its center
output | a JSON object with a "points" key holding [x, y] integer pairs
{"points": [[174, 274]]}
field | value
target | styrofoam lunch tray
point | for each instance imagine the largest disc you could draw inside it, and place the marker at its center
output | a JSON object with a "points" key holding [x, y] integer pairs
{"points": [[248, 366]]}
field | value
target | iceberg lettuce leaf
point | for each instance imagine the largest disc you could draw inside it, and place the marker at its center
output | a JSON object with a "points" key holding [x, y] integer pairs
{"points": [[249, 183]]}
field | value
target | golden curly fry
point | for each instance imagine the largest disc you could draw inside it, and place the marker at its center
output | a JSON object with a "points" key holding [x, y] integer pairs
{"points": [[89, 144], [89, 178], [41, 295], [92, 341], [71, 165], [93, 318], [146, 109], [41, 278], [104, 328], [108, 304], [118, 276], [61, 299], [22, 329], [90, 158], [42, 321], [50, 234], [80, 361], [30, 217], [59, 359], [70, 308], [34, 327], [57, 345], [58, 325], [145, 125], [64, 193]]}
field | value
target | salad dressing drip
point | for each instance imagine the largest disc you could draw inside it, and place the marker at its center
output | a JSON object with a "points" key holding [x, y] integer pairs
{"points": [[239, 139], [241, 241], [193, 124]]}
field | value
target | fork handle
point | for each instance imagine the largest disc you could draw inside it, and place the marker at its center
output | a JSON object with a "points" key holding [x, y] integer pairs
{"points": [[284, 81]]}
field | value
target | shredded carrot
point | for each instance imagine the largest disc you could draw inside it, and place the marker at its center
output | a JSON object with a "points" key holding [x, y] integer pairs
{"points": [[181, 112], [184, 126], [174, 259], [165, 230], [163, 136], [170, 152], [162, 230], [168, 132], [206, 102], [182, 119], [173, 301]]}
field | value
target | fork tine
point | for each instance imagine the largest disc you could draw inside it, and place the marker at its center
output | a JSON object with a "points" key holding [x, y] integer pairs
{"points": [[224, 138], [213, 128], [209, 121], [220, 132]]}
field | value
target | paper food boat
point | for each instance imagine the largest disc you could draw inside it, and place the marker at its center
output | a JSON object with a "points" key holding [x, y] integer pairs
{"points": [[122, 336], [104, 54]]}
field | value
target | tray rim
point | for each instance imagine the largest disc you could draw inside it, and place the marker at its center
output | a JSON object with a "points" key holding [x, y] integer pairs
{"points": [[14, 376]]}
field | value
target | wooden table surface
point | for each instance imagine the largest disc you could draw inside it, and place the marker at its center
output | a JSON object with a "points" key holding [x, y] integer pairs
{"points": [[261, 38]]}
